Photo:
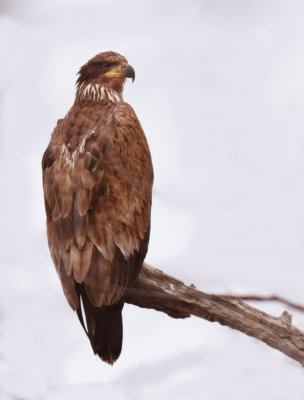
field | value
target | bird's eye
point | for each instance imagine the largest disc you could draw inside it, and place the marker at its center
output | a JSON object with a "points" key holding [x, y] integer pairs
{"points": [[106, 65]]}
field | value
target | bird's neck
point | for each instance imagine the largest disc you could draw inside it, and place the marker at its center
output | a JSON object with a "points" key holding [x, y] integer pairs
{"points": [[97, 93]]}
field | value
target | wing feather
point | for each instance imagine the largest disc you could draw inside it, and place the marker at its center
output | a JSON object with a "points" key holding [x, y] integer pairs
{"points": [[97, 280], [97, 186], [81, 260], [68, 285]]}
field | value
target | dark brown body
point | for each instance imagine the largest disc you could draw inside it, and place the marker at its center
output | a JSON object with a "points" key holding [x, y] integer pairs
{"points": [[97, 179]]}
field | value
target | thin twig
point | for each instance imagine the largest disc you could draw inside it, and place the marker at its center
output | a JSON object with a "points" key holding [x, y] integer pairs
{"points": [[274, 297]]}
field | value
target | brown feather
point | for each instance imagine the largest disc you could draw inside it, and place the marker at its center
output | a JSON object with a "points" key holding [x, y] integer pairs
{"points": [[80, 227], [97, 281], [81, 260], [69, 290], [97, 181]]}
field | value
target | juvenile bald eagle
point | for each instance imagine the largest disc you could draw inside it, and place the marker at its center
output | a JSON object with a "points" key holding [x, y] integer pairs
{"points": [[97, 181]]}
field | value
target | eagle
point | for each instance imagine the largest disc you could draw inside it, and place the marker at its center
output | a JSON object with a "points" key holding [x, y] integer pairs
{"points": [[97, 183]]}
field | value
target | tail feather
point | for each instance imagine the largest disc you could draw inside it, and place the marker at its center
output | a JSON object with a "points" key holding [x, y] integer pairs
{"points": [[103, 327]]}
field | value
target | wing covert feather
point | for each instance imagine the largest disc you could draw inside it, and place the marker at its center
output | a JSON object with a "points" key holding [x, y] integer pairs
{"points": [[98, 201]]}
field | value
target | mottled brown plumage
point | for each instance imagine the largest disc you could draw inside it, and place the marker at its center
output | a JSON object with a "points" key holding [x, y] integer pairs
{"points": [[97, 181]]}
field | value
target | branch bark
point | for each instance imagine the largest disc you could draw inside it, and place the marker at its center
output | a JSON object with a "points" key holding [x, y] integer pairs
{"points": [[155, 289]]}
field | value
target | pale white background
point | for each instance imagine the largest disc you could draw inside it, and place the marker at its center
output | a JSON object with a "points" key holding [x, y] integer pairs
{"points": [[219, 90]]}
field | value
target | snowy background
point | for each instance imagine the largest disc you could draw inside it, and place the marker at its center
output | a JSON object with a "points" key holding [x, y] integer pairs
{"points": [[219, 91]]}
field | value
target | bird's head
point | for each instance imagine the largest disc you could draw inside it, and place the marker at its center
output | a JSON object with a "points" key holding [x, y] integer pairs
{"points": [[108, 70]]}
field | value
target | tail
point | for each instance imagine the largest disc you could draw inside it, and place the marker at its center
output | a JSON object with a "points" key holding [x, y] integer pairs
{"points": [[104, 327]]}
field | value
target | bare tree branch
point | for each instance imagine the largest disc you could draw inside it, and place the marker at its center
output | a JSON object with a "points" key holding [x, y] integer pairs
{"points": [[157, 290]]}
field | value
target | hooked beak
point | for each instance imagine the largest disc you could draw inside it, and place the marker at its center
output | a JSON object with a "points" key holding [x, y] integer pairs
{"points": [[122, 71], [129, 72]]}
